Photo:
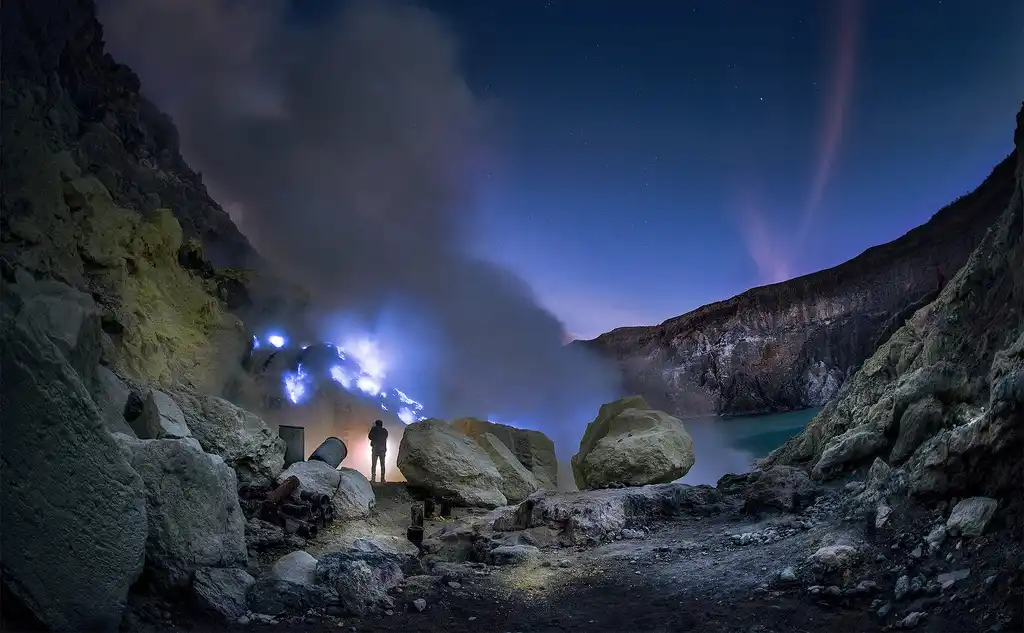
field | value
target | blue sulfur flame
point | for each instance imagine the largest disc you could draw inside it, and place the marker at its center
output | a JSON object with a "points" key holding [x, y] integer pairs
{"points": [[359, 368]]}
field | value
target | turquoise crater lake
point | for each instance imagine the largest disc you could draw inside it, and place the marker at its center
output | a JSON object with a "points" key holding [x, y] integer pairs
{"points": [[731, 444]]}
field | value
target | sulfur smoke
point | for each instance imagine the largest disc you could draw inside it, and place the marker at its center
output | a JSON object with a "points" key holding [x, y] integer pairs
{"points": [[347, 147]]}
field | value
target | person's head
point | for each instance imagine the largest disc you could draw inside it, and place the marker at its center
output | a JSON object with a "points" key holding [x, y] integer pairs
{"points": [[379, 423]]}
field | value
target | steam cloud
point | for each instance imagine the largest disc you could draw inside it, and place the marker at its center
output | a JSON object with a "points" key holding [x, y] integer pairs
{"points": [[346, 148]]}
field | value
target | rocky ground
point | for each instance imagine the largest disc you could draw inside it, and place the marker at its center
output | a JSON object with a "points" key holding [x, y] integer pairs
{"points": [[715, 567]]}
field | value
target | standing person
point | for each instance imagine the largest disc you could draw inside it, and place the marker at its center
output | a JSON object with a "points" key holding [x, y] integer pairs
{"points": [[378, 447]]}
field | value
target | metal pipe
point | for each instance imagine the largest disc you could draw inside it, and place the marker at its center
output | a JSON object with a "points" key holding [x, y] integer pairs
{"points": [[332, 452], [314, 498], [446, 507], [302, 528], [428, 508], [295, 510], [417, 515], [283, 491], [415, 535]]}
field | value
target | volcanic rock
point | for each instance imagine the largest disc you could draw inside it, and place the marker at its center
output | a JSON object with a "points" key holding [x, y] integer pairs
{"points": [[534, 450], [298, 567], [794, 344], [222, 591], [964, 350], [436, 456], [161, 418], [241, 438], [971, 516], [192, 507], [513, 554], [630, 444], [349, 491], [111, 394], [517, 483], [600, 515], [62, 470], [271, 596], [361, 579], [779, 488], [834, 556]]}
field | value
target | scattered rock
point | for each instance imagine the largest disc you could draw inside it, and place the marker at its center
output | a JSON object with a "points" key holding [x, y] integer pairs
{"points": [[971, 516], [632, 534], [240, 437], [419, 604], [834, 556], [782, 488], [161, 418], [882, 515], [949, 579], [513, 554], [297, 567], [260, 534], [361, 579], [273, 597], [912, 620], [936, 538], [630, 444], [436, 456], [788, 574], [884, 610], [902, 587], [222, 591]]}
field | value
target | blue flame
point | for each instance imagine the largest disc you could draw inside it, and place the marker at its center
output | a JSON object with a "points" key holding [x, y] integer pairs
{"points": [[360, 368]]}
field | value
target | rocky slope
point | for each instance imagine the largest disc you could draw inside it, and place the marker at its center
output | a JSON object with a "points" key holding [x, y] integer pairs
{"points": [[793, 344], [943, 398], [96, 195]]}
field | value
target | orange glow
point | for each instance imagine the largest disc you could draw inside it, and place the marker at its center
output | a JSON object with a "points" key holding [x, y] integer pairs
{"points": [[344, 416]]}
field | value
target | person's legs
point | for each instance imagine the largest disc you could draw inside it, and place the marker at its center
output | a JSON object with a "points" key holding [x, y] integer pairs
{"points": [[373, 466]]}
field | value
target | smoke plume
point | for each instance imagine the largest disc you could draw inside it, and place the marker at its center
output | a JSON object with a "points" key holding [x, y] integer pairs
{"points": [[347, 146]]}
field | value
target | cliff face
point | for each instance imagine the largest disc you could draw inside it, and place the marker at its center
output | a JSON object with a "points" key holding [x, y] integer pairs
{"points": [[793, 344], [943, 398], [97, 195]]}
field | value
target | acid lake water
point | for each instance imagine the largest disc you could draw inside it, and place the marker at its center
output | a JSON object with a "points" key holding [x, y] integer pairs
{"points": [[731, 444]]}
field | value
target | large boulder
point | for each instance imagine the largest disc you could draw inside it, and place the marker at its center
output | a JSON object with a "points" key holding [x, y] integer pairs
{"points": [[73, 532], [195, 520], [349, 491], [436, 456], [240, 437], [628, 443], [534, 450], [517, 483], [592, 516], [784, 488], [161, 418], [361, 579]]}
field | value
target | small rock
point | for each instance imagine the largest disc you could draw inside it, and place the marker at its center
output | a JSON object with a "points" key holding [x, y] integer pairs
{"points": [[917, 552], [902, 587], [419, 604], [866, 586], [883, 611], [936, 537], [298, 567], [912, 620], [833, 590], [882, 515], [242, 620], [834, 556], [787, 575], [949, 579], [629, 533], [971, 516], [565, 562], [454, 584], [990, 580]]}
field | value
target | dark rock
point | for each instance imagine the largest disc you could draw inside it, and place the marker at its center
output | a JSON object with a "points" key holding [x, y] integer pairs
{"points": [[782, 488], [270, 596], [62, 470], [361, 579], [222, 591]]}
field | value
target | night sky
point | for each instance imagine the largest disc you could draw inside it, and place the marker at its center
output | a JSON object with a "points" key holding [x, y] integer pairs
{"points": [[652, 157]]}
